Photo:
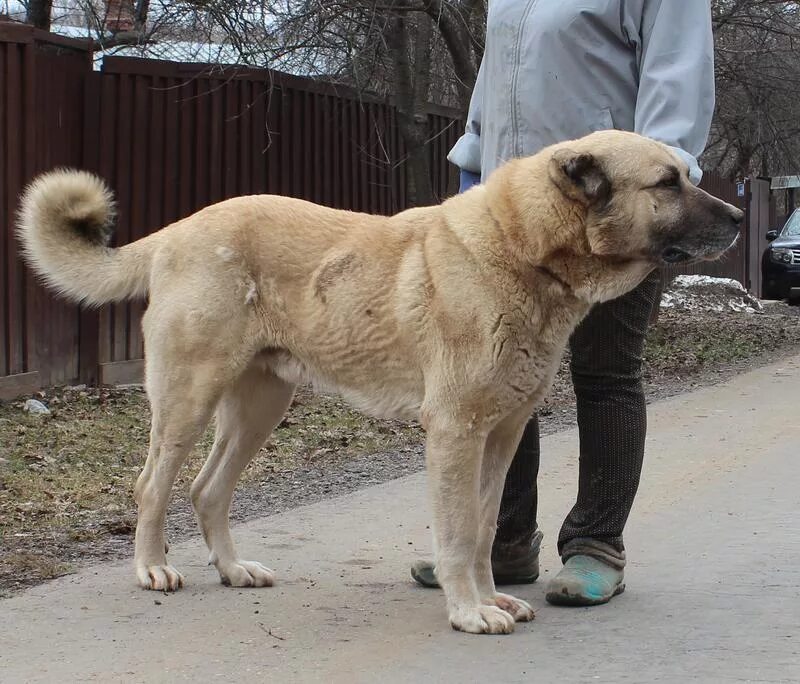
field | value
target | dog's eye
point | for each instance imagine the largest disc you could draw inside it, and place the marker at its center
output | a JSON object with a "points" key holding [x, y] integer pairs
{"points": [[672, 181]]}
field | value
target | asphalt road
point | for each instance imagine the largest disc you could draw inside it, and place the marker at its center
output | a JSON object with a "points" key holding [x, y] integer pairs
{"points": [[713, 579]]}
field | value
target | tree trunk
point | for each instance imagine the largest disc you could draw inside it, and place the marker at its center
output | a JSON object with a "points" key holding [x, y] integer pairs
{"points": [[38, 13], [453, 21], [140, 15], [412, 84]]}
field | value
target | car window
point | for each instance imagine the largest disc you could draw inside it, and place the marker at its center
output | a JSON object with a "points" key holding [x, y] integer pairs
{"points": [[792, 227]]}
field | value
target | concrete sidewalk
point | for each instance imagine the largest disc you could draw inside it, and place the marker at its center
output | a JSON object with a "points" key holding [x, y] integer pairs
{"points": [[713, 579]]}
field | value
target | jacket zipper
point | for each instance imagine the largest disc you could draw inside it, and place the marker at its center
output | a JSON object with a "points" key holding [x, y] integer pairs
{"points": [[517, 152]]}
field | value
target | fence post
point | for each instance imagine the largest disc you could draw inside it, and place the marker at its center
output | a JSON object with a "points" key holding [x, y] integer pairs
{"points": [[89, 317]]}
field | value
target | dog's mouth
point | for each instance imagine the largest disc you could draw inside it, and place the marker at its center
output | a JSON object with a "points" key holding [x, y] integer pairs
{"points": [[675, 255]]}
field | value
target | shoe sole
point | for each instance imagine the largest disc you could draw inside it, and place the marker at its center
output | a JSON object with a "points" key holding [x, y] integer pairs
{"points": [[577, 600], [423, 580]]}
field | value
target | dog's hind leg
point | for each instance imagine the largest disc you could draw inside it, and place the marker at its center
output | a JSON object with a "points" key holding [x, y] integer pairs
{"points": [[246, 414], [182, 400], [500, 447]]}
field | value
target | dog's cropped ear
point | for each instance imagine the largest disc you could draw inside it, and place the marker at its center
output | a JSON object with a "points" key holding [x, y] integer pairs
{"points": [[580, 176]]}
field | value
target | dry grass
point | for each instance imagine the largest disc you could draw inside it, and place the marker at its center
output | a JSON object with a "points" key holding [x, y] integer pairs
{"points": [[69, 476]]}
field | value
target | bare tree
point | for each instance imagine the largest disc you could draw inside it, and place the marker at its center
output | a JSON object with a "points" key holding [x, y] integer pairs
{"points": [[411, 52], [756, 128], [38, 13]]}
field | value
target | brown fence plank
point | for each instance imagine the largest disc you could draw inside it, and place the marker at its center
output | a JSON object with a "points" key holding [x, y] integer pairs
{"points": [[259, 146], [107, 153], [12, 386], [216, 129], [172, 142], [355, 162], [370, 158], [201, 159], [147, 153], [125, 133], [122, 372], [244, 143], [285, 143], [13, 150], [318, 146], [336, 178], [274, 143], [232, 139], [157, 154], [5, 235]]}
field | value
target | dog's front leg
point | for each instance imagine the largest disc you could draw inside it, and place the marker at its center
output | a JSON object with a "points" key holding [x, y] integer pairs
{"points": [[454, 450], [501, 445]]}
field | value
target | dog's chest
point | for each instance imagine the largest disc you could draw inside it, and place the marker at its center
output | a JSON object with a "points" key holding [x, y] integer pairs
{"points": [[526, 355]]}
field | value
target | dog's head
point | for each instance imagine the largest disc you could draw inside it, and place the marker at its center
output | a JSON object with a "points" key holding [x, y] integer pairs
{"points": [[639, 201]]}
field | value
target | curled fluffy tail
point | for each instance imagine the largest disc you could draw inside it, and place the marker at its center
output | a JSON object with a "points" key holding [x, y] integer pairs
{"points": [[64, 225]]}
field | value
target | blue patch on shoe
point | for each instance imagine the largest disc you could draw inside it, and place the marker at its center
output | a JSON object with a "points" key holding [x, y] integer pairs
{"points": [[587, 578]]}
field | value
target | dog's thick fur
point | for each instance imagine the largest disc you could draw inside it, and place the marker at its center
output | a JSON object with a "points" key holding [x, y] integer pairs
{"points": [[456, 315]]}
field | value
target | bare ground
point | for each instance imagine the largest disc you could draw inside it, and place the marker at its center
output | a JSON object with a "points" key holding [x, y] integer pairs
{"points": [[66, 479]]}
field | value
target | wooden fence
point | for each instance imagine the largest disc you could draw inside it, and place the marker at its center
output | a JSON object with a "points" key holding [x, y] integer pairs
{"points": [[171, 138], [41, 108]]}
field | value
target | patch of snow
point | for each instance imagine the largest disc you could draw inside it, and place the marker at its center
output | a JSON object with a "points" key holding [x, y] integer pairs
{"points": [[707, 293], [704, 280]]}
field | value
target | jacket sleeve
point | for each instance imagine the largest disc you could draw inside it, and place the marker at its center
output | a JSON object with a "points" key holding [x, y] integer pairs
{"points": [[675, 102], [466, 153]]}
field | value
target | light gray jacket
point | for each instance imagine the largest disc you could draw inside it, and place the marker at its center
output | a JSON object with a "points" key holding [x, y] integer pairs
{"points": [[554, 70]]}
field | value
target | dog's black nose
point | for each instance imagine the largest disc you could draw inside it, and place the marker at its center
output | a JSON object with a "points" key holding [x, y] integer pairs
{"points": [[737, 215]]}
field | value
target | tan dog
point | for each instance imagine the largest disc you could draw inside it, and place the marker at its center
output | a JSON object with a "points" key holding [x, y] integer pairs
{"points": [[456, 315]]}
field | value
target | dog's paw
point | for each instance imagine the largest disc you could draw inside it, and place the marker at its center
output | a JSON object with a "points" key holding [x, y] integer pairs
{"points": [[159, 577], [482, 620], [242, 573], [520, 610]]}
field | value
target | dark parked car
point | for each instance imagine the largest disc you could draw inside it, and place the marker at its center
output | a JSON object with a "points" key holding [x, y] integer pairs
{"points": [[781, 262]]}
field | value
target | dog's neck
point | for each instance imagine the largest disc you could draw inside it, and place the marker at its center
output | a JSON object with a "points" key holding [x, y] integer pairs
{"points": [[565, 286], [547, 235]]}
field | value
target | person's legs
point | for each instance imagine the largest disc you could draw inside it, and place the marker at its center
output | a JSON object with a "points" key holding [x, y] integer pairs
{"points": [[612, 421], [515, 553]]}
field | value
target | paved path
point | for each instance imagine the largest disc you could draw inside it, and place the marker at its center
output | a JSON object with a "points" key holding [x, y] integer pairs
{"points": [[713, 581]]}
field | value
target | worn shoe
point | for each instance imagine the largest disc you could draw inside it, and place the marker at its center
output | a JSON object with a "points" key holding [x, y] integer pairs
{"points": [[516, 564], [423, 573], [585, 581]]}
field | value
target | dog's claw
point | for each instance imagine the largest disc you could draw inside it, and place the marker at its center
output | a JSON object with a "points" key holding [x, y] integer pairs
{"points": [[482, 620], [159, 578], [242, 573], [520, 610]]}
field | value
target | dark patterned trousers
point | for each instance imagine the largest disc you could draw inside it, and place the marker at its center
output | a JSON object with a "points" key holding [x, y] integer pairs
{"points": [[606, 363]]}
